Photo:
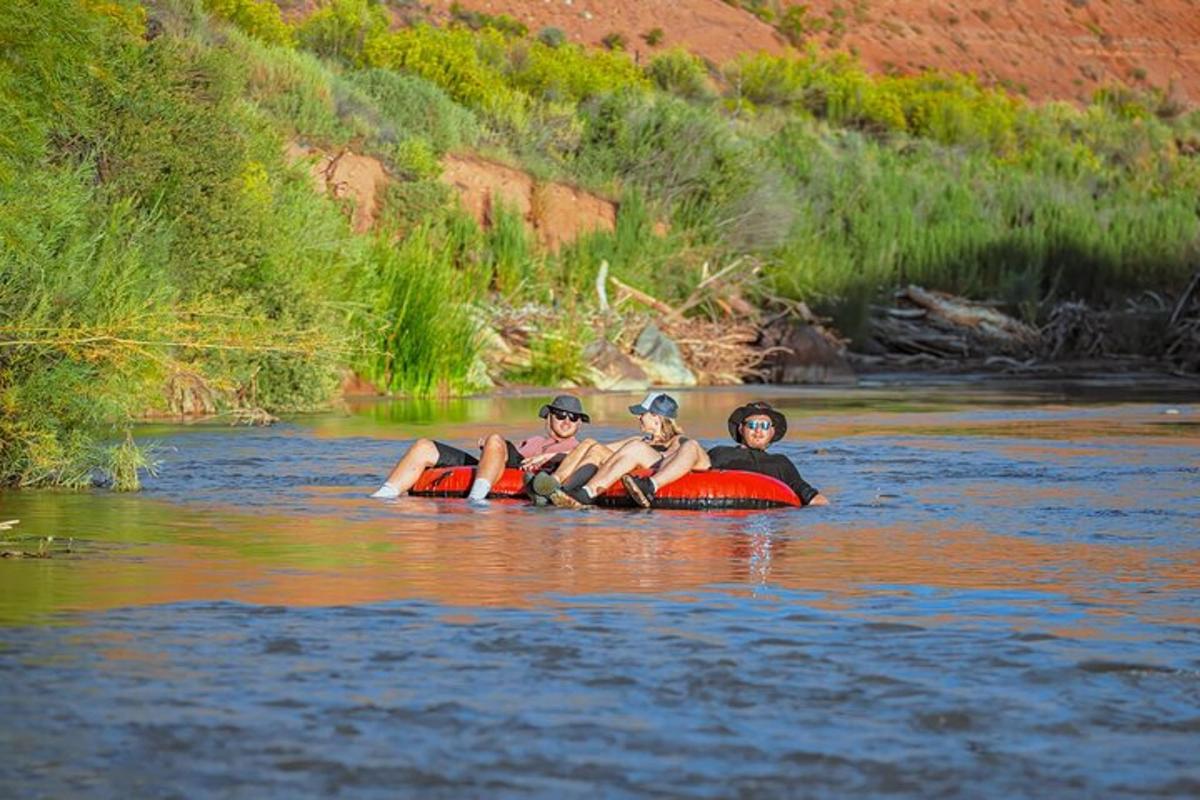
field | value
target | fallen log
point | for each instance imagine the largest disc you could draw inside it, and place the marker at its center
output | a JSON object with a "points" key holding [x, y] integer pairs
{"points": [[985, 321], [643, 298]]}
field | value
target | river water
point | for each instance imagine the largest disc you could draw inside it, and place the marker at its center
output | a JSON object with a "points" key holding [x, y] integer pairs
{"points": [[1002, 600]]}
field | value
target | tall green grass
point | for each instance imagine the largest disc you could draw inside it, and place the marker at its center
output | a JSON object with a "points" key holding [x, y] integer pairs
{"points": [[422, 334], [874, 215]]}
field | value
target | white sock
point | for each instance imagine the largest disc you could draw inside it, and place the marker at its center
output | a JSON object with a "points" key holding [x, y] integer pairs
{"points": [[589, 492], [480, 489], [386, 492]]}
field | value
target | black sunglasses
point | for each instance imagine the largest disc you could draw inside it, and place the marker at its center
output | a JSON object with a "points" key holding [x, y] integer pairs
{"points": [[569, 416]]}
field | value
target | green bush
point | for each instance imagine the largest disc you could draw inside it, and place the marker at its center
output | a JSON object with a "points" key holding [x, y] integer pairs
{"points": [[340, 29], [614, 41], [412, 107], [48, 49], [517, 270], [680, 73], [476, 20], [552, 37], [688, 161], [258, 18], [296, 91], [82, 307], [468, 66], [873, 215], [573, 73]]}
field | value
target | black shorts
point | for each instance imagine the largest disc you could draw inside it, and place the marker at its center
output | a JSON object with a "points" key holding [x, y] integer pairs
{"points": [[453, 457]]}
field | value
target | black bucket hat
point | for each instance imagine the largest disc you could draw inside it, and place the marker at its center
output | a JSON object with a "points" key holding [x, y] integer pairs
{"points": [[568, 404], [778, 420]]}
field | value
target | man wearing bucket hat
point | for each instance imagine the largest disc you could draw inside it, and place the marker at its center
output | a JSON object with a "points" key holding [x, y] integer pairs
{"points": [[593, 467], [755, 427], [563, 415]]}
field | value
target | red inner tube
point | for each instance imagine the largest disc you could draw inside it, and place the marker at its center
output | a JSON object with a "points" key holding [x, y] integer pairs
{"points": [[716, 488]]}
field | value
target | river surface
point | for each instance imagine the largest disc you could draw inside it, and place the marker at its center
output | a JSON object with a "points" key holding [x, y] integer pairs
{"points": [[1003, 600]]}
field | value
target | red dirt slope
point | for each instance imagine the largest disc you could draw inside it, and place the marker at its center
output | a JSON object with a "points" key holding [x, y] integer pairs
{"points": [[556, 213], [1049, 49]]}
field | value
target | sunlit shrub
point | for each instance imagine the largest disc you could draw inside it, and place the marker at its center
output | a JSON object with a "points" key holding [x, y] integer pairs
{"points": [[408, 106], [466, 64], [572, 72], [295, 89], [340, 29], [475, 20], [680, 73], [682, 157], [955, 109], [258, 18]]}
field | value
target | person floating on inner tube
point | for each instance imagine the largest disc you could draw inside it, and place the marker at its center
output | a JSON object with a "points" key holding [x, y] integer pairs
{"points": [[755, 427], [592, 467], [564, 415]]}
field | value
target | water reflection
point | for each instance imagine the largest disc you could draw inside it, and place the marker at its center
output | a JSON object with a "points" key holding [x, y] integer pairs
{"points": [[1002, 596]]}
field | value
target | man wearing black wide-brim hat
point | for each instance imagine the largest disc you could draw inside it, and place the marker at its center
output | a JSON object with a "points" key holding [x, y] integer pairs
{"points": [[563, 415], [755, 427]]}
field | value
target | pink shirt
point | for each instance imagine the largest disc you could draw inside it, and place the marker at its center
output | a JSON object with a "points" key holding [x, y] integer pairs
{"points": [[539, 445]]}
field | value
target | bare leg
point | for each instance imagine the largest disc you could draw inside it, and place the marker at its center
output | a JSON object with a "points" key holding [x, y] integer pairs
{"points": [[690, 457], [589, 451], [634, 455], [493, 459], [422, 455]]}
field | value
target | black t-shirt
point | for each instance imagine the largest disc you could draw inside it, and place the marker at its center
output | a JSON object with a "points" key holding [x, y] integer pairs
{"points": [[772, 464]]}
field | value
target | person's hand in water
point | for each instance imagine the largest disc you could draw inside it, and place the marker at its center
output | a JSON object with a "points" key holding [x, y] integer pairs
{"points": [[819, 500]]}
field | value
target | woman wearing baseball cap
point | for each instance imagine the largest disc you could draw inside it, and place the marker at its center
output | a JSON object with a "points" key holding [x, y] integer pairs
{"points": [[593, 467]]}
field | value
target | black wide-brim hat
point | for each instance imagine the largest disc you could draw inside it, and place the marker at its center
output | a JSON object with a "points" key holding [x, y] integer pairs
{"points": [[778, 420], [568, 403]]}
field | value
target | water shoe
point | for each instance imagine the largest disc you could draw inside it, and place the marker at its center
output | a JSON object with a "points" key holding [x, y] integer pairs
{"points": [[641, 490], [544, 484], [571, 498]]}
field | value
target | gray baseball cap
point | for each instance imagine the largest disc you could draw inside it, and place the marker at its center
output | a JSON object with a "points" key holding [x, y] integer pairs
{"points": [[657, 403]]}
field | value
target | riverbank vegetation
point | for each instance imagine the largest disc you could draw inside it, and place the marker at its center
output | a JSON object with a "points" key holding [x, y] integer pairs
{"points": [[162, 254]]}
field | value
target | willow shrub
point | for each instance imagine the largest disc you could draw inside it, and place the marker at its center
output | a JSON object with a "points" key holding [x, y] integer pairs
{"points": [[82, 314], [571, 72], [339, 29], [298, 92], [710, 179], [680, 73], [468, 65], [45, 67], [411, 107], [260, 19]]}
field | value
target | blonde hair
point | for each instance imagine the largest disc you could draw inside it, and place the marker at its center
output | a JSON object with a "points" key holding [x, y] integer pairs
{"points": [[669, 431]]}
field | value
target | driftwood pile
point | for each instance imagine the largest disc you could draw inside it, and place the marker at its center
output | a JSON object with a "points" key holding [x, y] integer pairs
{"points": [[1074, 330], [1183, 330], [932, 327], [720, 347], [717, 332]]}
